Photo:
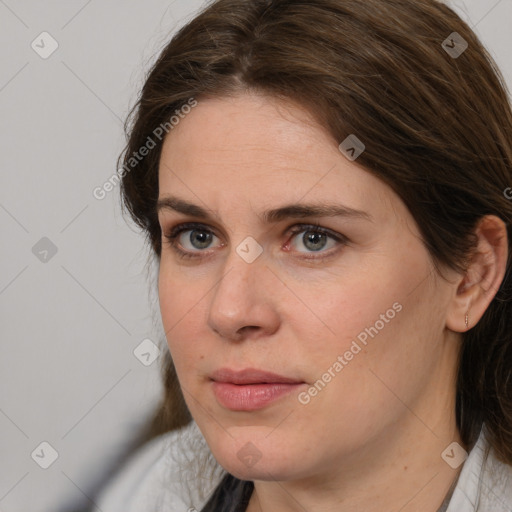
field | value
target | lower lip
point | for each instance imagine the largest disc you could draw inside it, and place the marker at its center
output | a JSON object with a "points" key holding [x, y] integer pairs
{"points": [[250, 397]]}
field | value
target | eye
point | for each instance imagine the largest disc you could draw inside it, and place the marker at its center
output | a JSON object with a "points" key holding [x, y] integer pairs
{"points": [[315, 239], [193, 238]]}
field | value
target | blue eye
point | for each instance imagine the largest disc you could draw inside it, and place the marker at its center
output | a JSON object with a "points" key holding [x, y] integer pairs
{"points": [[314, 239], [199, 238]]}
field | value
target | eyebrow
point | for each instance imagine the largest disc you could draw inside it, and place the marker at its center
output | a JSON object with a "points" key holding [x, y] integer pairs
{"points": [[290, 211]]}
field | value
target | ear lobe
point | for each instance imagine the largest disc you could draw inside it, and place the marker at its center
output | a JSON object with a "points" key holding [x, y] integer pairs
{"points": [[482, 280]]}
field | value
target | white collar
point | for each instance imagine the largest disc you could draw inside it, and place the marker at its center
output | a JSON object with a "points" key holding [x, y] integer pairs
{"points": [[484, 485]]}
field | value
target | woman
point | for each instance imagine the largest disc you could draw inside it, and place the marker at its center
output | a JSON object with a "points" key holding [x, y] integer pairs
{"points": [[322, 184]]}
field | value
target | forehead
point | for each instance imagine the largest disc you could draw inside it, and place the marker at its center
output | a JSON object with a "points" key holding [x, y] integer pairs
{"points": [[244, 126], [252, 149]]}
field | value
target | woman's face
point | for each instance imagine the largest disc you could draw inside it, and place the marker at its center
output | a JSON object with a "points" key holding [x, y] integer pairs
{"points": [[348, 306]]}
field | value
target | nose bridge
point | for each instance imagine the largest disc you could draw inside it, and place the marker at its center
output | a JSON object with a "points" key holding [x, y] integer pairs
{"points": [[236, 288], [240, 298]]}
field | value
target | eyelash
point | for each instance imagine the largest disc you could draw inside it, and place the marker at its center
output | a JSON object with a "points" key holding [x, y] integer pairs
{"points": [[299, 228]]}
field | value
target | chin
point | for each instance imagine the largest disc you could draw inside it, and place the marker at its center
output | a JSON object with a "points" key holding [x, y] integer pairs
{"points": [[251, 457], [265, 471]]}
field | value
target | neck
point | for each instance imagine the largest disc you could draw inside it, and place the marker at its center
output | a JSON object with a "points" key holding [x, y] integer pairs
{"points": [[419, 480]]}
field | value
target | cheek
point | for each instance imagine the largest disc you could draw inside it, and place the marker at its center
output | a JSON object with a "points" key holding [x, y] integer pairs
{"points": [[353, 312], [375, 321], [388, 342], [180, 307], [180, 296]]}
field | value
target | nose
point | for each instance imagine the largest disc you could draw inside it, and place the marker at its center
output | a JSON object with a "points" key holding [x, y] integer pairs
{"points": [[242, 304]]}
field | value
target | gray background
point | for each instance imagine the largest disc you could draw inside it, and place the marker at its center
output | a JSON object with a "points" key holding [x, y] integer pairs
{"points": [[70, 324]]}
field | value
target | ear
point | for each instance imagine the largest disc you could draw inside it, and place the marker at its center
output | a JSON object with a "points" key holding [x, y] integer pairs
{"points": [[475, 290]]}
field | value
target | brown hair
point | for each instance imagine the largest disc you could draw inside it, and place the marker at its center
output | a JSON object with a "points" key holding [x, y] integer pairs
{"points": [[437, 129]]}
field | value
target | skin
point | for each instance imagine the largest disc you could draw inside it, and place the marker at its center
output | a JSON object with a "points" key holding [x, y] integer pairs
{"points": [[372, 438]]}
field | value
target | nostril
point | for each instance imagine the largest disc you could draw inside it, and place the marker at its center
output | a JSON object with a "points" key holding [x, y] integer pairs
{"points": [[247, 329]]}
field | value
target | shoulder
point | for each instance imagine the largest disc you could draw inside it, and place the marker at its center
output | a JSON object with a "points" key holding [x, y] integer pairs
{"points": [[168, 472], [496, 491], [485, 483]]}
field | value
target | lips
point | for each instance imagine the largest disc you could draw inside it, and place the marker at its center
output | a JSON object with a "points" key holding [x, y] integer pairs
{"points": [[250, 389]]}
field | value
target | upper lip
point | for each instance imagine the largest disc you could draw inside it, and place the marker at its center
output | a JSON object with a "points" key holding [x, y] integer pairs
{"points": [[250, 376]]}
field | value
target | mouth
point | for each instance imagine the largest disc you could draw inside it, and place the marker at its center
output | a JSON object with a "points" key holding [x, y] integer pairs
{"points": [[250, 389]]}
